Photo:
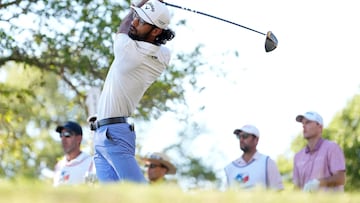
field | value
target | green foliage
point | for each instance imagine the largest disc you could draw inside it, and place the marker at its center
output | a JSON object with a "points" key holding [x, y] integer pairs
{"points": [[23, 102], [298, 143], [285, 165], [195, 172], [345, 130]]}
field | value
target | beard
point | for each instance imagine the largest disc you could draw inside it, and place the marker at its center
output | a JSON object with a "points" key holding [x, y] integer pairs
{"points": [[244, 148], [138, 37], [135, 37]]}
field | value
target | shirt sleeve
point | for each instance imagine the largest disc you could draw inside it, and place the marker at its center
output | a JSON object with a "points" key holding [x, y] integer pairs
{"points": [[336, 159], [121, 42], [274, 177], [295, 178]]}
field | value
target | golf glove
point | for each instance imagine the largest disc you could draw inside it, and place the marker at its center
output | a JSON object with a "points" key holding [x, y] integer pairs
{"points": [[312, 185]]}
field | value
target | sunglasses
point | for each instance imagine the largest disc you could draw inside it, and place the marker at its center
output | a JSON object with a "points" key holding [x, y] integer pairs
{"points": [[243, 135], [141, 21], [153, 165], [66, 134]]}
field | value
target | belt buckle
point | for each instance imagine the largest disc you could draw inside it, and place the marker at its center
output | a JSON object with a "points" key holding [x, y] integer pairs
{"points": [[92, 122], [93, 126]]}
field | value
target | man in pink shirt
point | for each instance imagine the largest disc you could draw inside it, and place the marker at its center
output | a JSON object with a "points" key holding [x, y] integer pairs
{"points": [[321, 164]]}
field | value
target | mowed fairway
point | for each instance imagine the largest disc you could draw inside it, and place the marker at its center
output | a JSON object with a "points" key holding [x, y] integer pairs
{"points": [[21, 192]]}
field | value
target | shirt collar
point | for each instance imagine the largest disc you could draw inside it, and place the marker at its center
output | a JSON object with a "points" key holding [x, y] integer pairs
{"points": [[147, 48], [77, 160], [257, 155], [317, 146]]}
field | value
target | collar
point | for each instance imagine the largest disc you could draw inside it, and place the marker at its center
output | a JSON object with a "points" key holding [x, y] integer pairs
{"points": [[256, 156], [317, 146], [80, 158], [147, 48]]}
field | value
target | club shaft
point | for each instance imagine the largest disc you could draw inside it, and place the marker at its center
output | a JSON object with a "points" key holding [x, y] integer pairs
{"points": [[211, 16]]}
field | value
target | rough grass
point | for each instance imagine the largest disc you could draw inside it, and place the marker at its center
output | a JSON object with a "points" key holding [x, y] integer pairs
{"points": [[25, 191]]}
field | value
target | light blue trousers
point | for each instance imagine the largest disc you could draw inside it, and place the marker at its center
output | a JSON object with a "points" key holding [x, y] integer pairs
{"points": [[115, 154]]}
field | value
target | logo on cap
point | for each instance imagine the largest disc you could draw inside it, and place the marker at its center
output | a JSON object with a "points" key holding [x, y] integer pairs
{"points": [[149, 6]]}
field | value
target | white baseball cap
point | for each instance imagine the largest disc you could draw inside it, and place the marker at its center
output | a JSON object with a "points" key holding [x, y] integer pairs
{"points": [[248, 129], [310, 115], [154, 12]]}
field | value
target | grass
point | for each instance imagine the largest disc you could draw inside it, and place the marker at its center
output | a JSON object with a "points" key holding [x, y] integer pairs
{"points": [[25, 191]]}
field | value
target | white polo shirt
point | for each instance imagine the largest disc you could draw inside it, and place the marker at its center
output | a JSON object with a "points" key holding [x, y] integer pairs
{"points": [[74, 171], [135, 67]]}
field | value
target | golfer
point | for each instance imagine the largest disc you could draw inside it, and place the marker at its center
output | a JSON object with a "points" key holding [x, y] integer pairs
{"points": [[140, 58]]}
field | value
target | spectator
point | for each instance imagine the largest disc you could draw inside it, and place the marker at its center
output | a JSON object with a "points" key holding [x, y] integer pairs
{"points": [[321, 164], [76, 166], [158, 165], [252, 168]]}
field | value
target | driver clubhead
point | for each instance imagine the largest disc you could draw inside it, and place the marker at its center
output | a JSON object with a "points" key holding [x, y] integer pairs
{"points": [[271, 42]]}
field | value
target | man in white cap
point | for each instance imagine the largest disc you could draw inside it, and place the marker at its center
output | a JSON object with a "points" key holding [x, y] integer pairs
{"points": [[321, 164], [252, 169], [158, 165], [139, 59]]}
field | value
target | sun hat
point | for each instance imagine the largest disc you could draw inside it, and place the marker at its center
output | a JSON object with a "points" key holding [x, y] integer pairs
{"points": [[310, 115], [162, 159], [71, 126], [154, 12], [248, 129]]}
